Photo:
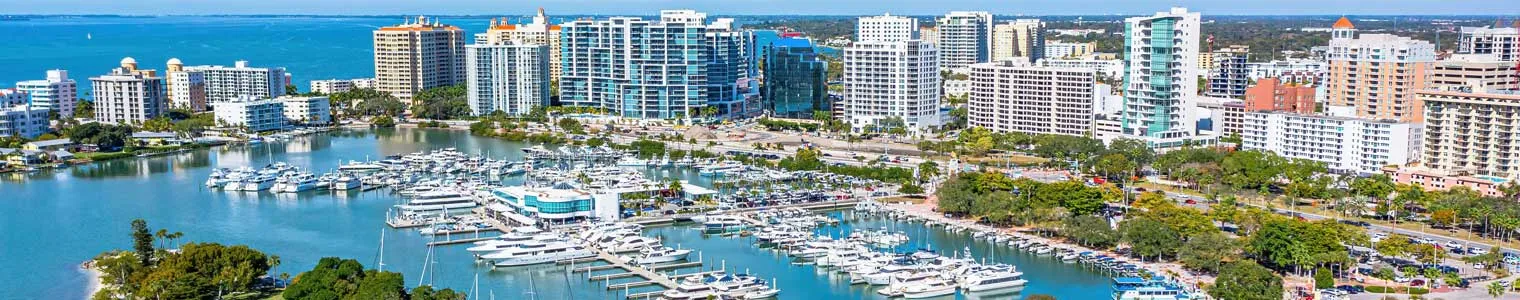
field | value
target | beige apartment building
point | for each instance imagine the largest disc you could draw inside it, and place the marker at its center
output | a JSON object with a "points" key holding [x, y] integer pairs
{"points": [[1484, 70], [539, 32], [1470, 130], [418, 55], [1376, 75]]}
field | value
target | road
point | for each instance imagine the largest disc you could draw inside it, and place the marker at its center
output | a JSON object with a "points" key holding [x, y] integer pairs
{"points": [[834, 156]]}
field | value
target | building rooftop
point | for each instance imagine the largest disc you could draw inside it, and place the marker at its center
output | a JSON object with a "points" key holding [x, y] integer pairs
{"points": [[50, 143], [1343, 23]]}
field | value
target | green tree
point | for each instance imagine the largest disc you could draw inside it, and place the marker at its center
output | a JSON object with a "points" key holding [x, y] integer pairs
{"points": [[1376, 186], [1246, 280], [1090, 231], [142, 241], [383, 122], [910, 189], [1114, 165], [1496, 289], [1208, 252], [292, 90], [1323, 279], [927, 169], [1149, 237]]}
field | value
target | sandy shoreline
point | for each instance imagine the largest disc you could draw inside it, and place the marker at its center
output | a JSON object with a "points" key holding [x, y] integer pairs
{"points": [[1171, 270], [95, 283]]}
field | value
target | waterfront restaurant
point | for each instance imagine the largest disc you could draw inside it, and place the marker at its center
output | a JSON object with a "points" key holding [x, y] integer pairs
{"points": [[566, 202]]}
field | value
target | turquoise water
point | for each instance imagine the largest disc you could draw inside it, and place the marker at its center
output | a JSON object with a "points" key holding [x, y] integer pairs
{"points": [[52, 221], [310, 48]]}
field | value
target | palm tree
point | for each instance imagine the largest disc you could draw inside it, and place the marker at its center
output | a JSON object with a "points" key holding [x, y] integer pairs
{"points": [[284, 279], [175, 237], [161, 235]]}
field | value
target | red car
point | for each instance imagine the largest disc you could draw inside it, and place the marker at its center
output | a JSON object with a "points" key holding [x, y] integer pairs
{"points": [[1190, 201]]}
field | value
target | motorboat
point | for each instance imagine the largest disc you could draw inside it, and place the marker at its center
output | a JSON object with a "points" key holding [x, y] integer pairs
{"points": [[634, 243], [356, 166], [295, 182], [345, 182], [690, 291], [992, 279], [661, 255], [532, 254], [1136, 288], [930, 288], [254, 183]]}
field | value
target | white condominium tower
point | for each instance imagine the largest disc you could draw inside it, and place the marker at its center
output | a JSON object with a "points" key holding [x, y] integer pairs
{"points": [[1160, 77], [1014, 96], [187, 89], [965, 38], [128, 95], [506, 76], [674, 67], [538, 32], [223, 83], [1023, 38], [416, 56], [888, 80], [58, 92], [886, 28], [1502, 42]]}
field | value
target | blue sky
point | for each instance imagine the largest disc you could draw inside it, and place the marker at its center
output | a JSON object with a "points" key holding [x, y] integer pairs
{"points": [[767, 7]]}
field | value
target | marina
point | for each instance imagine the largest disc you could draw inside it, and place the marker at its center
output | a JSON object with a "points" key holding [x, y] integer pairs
{"points": [[304, 226]]}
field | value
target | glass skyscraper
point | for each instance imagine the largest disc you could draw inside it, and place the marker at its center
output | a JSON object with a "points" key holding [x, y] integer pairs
{"points": [[796, 80]]}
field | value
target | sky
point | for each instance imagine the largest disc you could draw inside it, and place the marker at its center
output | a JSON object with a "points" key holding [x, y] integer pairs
{"points": [[761, 7]]}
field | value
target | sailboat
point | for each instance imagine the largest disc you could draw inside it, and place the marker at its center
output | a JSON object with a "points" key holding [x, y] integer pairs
{"points": [[88, 37]]}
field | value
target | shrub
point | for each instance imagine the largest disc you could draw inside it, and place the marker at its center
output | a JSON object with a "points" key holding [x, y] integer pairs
{"points": [[1418, 291], [1323, 279]]}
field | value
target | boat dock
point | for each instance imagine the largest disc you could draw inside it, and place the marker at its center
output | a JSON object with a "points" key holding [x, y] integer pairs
{"points": [[653, 275], [808, 206]]}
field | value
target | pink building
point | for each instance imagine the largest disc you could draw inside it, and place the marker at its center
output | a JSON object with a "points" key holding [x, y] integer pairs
{"points": [[1437, 180]]}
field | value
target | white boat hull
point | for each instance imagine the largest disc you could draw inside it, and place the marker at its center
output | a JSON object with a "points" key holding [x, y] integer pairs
{"points": [[996, 286], [543, 259]]}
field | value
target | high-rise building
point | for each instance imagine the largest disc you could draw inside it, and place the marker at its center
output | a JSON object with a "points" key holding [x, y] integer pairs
{"points": [[669, 68], [129, 95], [539, 32], [1295, 70], [306, 110], [1063, 50], [928, 34], [891, 83], [13, 97], [509, 76], [796, 79], [1161, 77], [333, 86], [58, 92], [1014, 96], [26, 121], [1472, 131], [1484, 70], [1376, 75], [1503, 42], [886, 28], [417, 55], [252, 113], [224, 83], [1270, 94], [1344, 144], [1111, 68], [1021, 38], [965, 38], [187, 89], [1229, 75]]}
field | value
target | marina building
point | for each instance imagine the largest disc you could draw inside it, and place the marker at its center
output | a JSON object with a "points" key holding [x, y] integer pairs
{"points": [[890, 81], [128, 95], [1502, 42], [1161, 77], [223, 83], [673, 67], [537, 32], [1020, 39], [26, 121], [58, 92], [1014, 96], [307, 110], [796, 79], [887, 28], [509, 76], [1470, 129], [1376, 75], [965, 38], [417, 55], [252, 114], [187, 89], [1270, 94], [1344, 144], [1484, 70], [1059, 49], [333, 86]]}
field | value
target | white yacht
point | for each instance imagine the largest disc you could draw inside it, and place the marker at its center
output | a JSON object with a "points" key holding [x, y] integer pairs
{"points": [[253, 183], [439, 200], [356, 166], [292, 183], [634, 243], [661, 255], [345, 182], [690, 291], [992, 279], [532, 254], [930, 288]]}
